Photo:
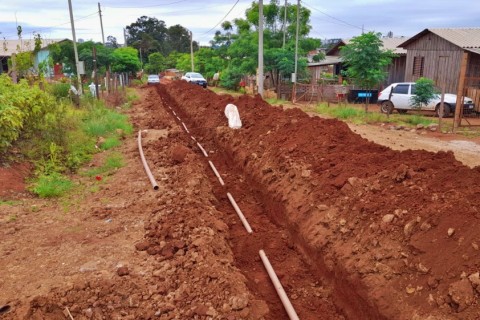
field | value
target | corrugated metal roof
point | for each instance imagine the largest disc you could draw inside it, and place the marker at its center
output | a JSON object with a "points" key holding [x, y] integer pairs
{"points": [[466, 38], [7, 47], [462, 37], [327, 61], [388, 44]]}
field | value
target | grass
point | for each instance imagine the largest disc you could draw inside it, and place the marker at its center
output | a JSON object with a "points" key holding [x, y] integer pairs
{"points": [[219, 90], [110, 142], [359, 116], [9, 202], [54, 185], [12, 218], [103, 121], [113, 162]]}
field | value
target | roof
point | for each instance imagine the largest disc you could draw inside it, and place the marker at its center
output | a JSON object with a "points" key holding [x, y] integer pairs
{"points": [[388, 44], [327, 61], [7, 47], [465, 38]]}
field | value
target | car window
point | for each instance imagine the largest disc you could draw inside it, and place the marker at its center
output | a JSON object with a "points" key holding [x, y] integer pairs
{"points": [[413, 89], [401, 88]]}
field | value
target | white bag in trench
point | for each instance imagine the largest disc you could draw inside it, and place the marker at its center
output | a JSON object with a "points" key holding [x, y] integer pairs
{"points": [[231, 112]]}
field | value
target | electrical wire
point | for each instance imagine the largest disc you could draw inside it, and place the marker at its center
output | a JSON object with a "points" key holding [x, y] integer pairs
{"points": [[151, 6], [332, 17], [223, 17]]}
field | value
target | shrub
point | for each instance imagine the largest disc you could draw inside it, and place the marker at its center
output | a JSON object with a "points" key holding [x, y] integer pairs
{"points": [[60, 90], [54, 185]]}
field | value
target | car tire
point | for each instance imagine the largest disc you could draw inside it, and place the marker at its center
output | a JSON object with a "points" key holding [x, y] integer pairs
{"points": [[447, 110], [386, 107]]}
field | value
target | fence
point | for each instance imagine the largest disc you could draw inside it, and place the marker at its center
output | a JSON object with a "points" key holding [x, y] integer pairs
{"points": [[314, 92], [474, 93]]}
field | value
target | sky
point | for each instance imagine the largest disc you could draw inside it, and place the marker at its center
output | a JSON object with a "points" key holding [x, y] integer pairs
{"points": [[329, 18]]}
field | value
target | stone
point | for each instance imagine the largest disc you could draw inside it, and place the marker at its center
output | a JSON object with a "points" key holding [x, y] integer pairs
{"points": [[422, 269], [388, 218], [238, 302], [450, 232], [123, 271], [420, 126], [306, 173], [408, 228], [461, 293], [474, 279], [142, 246]]}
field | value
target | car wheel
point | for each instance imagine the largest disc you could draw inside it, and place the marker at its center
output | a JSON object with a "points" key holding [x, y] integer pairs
{"points": [[402, 111], [386, 107], [447, 110]]}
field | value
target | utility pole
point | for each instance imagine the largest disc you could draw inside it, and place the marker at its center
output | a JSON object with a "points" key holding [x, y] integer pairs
{"points": [[125, 37], [284, 24], [95, 72], [80, 91], [294, 94], [191, 51], [101, 23], [260, 48]]}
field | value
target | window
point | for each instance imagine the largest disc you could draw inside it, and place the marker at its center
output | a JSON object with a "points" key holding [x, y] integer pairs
{"points": [[418, 62], [413, 89], [401, 88]]}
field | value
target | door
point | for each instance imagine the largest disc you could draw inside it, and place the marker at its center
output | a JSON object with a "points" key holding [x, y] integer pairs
{"points": [[401, 96]]}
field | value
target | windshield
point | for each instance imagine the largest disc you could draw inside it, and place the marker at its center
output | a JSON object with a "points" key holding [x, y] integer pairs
{"points": [[196, 75], [153, 77]]}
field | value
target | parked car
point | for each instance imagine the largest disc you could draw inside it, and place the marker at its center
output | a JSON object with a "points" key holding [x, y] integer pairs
{"points": [[196, 78], [397, 96], [153, 79]]}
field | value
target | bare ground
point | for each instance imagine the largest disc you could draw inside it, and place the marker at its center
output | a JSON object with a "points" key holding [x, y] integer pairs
{"points": [[116, 249]]}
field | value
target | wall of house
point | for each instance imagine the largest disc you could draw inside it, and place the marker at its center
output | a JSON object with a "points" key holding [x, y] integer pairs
{"points": [[396, 71], [442, 60]]}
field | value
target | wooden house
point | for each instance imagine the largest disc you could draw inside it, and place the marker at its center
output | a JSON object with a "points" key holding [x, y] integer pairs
{"points": [[333, 64], [439, 54]]}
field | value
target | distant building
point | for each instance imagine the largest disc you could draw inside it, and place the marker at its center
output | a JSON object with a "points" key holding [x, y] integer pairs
{"points": [[9, 47]]}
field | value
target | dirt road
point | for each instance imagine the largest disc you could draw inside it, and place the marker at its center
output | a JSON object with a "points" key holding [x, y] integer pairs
{"points": [[353, 229]]}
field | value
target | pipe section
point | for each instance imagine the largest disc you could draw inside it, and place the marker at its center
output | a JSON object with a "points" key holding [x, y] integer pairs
{"points": [[174, 113], [145, 165], [203, 150], [216, 172], [278, 287], [193, 138], [185, 127], [239, 212]]}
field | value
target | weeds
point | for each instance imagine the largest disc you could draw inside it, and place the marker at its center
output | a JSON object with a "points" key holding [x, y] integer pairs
{"points": [[53, 185], [113, 162]]}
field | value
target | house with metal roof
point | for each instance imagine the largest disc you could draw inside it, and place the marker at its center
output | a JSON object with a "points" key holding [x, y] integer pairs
{"points": [[333, 62], [450, 56]]}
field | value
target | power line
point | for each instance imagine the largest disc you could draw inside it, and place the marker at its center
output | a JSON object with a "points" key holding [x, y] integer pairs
{"points": [[332, 17], [151, 6], [223, 17]]}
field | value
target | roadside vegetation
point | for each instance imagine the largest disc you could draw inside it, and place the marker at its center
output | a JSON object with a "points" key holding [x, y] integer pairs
{"points": [[43, 127]]}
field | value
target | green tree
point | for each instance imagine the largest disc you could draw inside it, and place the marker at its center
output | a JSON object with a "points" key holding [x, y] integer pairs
{"points": [[125, 60], [424, 92], [156, 63], [366, 60]]}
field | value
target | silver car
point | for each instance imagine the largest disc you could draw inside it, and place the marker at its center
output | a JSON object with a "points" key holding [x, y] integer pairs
{"points": [[153, 79]]}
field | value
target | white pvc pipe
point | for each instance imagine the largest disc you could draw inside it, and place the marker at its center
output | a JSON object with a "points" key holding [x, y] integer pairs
{"points": [[179, 119], [216, 172], [278, 287], [174, 113], [239, 212], [144, 161], [185, 127], [203, 150], [193, 138]]}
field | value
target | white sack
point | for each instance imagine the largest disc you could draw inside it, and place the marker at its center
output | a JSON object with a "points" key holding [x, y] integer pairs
{"points": [[231, 112]]}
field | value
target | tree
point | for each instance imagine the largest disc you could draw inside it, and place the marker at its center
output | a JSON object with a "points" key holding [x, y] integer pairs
{"points": [[111, 42], [366, 60], [125, 60], [424, 92], [156, 63]]}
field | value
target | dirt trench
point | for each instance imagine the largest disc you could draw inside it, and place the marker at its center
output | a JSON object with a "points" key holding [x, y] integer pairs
{"points": [[369, 221]]}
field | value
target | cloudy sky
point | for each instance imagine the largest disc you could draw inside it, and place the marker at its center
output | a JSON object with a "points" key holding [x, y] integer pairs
{"points": [[329, 19]]}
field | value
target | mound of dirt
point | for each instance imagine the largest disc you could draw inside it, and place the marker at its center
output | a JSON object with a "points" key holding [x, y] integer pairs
{"points": [[13, 180], [395, 232]]}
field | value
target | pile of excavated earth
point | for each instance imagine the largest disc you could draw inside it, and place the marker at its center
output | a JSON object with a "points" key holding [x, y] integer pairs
{"points": [[353, 230]]}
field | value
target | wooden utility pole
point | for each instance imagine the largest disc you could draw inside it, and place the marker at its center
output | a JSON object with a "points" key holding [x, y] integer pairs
{"points": [[101, 23], [460, 92], [80, 89], [97, 93], [125, 36], [191, 51], [260, 48]]}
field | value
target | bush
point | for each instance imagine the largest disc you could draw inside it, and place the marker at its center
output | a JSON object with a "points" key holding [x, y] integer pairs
{"points": [[60, 90]]}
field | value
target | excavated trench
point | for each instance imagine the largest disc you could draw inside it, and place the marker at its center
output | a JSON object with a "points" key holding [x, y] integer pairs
{"points": [[357, 222]]}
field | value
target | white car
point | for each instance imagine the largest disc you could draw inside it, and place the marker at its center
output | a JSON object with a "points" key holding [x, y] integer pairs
{"points": [[397, 96], [153, 79], [196, 78]]}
